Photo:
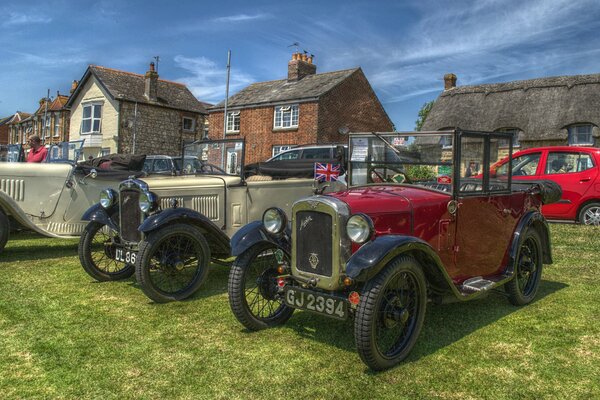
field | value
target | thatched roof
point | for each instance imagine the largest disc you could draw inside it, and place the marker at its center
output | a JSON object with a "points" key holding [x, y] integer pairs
{"points": [[540, 108]]}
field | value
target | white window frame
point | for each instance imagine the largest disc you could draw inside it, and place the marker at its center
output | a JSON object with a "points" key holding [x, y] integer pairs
{"points": [[193, 124], [280, 149], [291, 111], [233, 121], [57, 125], [47, 125], [574, 138], [93, 118]]}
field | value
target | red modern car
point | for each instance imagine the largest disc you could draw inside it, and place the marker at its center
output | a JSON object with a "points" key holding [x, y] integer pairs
{"points": [[575, 169]]}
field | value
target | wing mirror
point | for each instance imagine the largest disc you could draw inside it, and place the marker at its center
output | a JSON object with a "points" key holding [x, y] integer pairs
{"points": [[92, 174]]}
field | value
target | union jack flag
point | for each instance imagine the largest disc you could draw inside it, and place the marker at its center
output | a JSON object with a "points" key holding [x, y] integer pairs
{"points": [[327, 172]]}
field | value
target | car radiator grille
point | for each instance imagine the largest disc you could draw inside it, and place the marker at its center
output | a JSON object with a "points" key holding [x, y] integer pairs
{"points": [[131, 215], [313, 242]]}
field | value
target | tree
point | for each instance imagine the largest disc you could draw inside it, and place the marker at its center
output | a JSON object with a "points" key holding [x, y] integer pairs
{"points": [[423, 113]]}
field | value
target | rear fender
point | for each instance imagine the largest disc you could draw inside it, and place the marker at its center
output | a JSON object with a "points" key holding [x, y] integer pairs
{"points": [[98, 213], [531, 220], [255, 233]]}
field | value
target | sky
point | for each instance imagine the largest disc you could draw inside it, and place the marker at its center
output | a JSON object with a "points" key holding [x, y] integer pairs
{"points": [[403, 47]]}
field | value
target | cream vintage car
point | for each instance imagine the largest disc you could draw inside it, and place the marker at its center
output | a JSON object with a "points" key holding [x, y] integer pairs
{"points": [[50, 197], [178, 224]]}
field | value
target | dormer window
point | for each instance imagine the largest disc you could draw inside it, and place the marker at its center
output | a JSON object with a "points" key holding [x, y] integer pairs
{"points": [[580, 135], [233, 121], [286, 117]]}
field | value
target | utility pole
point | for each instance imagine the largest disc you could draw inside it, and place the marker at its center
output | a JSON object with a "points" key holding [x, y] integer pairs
{"points": [[226, 94]]}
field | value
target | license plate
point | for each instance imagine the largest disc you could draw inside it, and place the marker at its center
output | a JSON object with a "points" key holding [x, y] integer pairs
{"points": [[126, 256], [331, 306]]}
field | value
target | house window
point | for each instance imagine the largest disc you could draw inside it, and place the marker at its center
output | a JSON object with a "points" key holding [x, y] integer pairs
{"points": [[104, 152], [188, 124], [56, 125], [92, 115], [446, 141], [233, 121], [47, 126], [286, 117], [279, 149], [504, 142], [581, 135]]}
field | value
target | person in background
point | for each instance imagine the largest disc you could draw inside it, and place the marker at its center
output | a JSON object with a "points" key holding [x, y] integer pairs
{"points": [[37, 152]]}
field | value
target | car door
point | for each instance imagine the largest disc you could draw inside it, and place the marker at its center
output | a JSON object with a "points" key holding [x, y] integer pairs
{"points": [[574, 171]]}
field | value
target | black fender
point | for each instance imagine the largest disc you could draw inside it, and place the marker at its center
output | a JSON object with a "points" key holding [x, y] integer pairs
{"points": [[100, 214], [255, 233], [217, 240], [531, 220]]}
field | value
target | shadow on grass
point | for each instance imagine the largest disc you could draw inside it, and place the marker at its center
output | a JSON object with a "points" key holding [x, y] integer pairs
{"points": [[36, 252], [444, 324]]}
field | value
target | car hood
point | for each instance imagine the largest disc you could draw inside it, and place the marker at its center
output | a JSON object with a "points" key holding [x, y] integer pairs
{"points": [[158, 182]]}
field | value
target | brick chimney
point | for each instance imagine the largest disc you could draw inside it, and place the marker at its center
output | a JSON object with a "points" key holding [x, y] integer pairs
{"points": [[74, 85], [300, 66], [151, 83], [449, 81]]}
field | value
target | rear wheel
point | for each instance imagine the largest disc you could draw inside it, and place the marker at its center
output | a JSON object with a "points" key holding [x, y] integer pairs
{"points": [[390, 314], [4, 230], [253, 288], [97, 253], [528, 270], [590, 214], [172, 263]]}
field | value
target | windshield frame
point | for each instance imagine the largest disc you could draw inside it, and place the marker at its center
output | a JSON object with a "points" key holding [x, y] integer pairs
{"points": [[240, 167]]}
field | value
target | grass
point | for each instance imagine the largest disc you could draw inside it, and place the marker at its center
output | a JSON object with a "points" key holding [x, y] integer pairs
{"points": [[65, 336]]}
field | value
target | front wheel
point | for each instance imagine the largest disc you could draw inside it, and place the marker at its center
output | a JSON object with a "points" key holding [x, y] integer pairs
{"points": [[97, 253], [390, 314], [252, 288], [172, 263], [4, 230], [590, 214], [523, 287]]}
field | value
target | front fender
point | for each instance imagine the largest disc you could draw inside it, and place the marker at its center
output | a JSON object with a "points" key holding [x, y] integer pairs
{"points": [[100, 214], [254, 233]]}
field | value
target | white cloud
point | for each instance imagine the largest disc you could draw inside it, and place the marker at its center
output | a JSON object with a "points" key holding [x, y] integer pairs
{"points": [[239, 18], [21, 19], [207, 80]]}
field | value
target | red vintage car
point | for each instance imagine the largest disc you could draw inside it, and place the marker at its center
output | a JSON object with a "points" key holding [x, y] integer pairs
{"points": [[417, 225], [575, 169]]}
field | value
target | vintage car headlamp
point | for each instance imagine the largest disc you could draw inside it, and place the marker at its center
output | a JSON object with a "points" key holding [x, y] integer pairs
{"points": [[107, 198], [148, 202], [360, 228], [274, 220]]}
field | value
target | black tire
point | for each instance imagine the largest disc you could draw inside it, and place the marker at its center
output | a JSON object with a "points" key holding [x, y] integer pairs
{"points": [[590, 214], [96, 254], [172, 263], [252, 287], [4, 230], [523, 287], [390, 314]]}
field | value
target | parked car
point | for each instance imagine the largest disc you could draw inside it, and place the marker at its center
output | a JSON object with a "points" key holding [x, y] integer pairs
{"points": [[167, 165], [575, 169], [381, 251], [167, 229], [50, 197], [300, 161]]}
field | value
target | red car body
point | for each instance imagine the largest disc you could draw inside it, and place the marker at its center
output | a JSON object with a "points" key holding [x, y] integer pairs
{"points": [[579, 180]]}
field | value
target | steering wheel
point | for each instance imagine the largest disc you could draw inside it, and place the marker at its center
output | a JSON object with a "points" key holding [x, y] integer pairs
{"points": [[374, 176]]}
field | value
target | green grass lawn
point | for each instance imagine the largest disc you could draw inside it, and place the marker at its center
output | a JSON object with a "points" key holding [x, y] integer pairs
{"points": [[62, 335]]}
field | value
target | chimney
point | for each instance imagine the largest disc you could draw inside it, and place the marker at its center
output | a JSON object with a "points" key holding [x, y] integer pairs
{"points": [[73, 86], [151, 83], [300, 66], [449, 81]]}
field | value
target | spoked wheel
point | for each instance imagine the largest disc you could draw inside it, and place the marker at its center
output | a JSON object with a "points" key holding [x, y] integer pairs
{"points": [[528, 270], [97, 253], [390, 314], [4, 230], [590, 214], [172, 263], [253, 288]]}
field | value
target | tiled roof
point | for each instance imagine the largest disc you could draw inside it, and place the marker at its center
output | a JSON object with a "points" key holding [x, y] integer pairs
{"points": [[309, 87], [59, 102]]}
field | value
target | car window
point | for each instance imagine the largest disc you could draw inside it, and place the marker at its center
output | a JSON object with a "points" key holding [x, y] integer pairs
{"points": [[162, 165], [288, 155], [311, 154], [565, 163], [525, 165]]}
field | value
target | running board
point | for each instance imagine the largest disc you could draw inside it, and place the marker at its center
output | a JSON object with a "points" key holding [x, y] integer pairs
{"points": [[478, 284]]}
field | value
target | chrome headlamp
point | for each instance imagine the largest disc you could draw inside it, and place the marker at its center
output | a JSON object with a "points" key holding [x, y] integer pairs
{"points": [[148, 202], [274, 220], [107, 198], [360, 228]]}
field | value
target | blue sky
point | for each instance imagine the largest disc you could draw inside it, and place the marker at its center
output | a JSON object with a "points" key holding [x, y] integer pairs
{"points": [[404, 47]]}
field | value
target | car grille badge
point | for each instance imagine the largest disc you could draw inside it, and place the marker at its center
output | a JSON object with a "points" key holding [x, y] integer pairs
{"points": [[313, 259]]}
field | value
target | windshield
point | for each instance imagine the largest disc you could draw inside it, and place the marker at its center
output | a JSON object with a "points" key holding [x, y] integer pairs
{"points": [[213, 157], [65, 151], [11, 153], [396, 158]]}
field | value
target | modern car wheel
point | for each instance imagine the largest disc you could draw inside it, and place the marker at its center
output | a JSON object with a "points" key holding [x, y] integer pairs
{"points": [[172, 263], [252, 288], [97, 253], [390, 314], [590, 214], [528, 270], [4, 230]]}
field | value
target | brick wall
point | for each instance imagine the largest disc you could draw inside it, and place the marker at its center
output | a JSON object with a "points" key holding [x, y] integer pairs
{"points": [[4, 134], [158, 130]]}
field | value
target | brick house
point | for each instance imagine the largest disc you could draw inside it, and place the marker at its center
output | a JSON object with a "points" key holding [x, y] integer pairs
{"points": [[122, 112], [4, 127], [554, 111], [305, 108], [19, 127]]}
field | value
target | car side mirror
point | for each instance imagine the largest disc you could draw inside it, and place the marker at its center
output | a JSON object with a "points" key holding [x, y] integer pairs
{"points": [[92, 174]]}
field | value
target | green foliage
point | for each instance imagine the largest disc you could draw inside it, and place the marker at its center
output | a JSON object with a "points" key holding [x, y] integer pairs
{"points": [[64, 336], [420, 173], [423, 113]]}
